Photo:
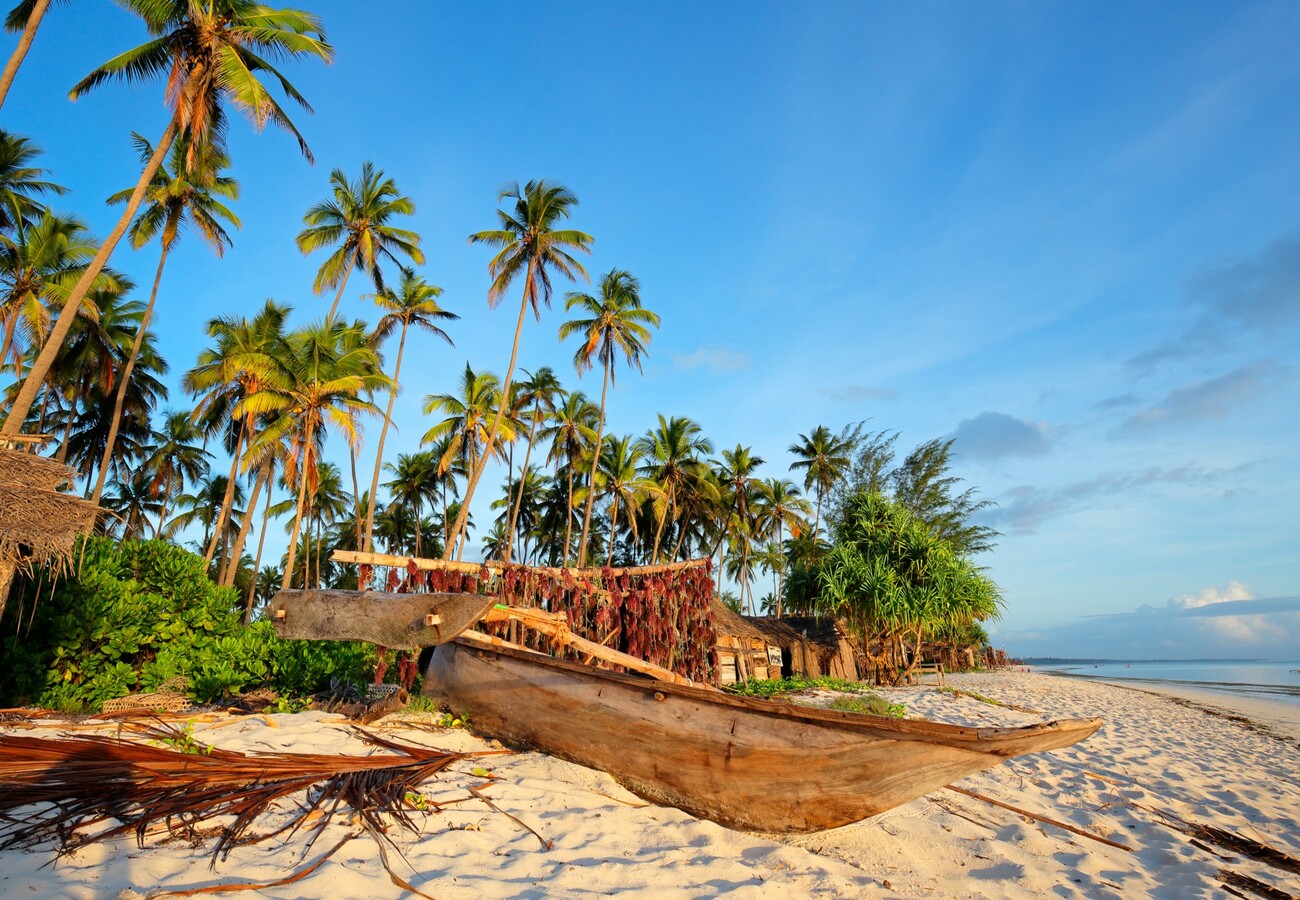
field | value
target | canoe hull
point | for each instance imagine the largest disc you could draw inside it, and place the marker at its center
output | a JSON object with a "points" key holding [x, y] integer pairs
{"points": [[748, 764]]}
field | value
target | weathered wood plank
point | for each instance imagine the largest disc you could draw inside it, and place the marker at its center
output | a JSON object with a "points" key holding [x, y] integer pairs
{"points": [[405, 621], [469, 568]]}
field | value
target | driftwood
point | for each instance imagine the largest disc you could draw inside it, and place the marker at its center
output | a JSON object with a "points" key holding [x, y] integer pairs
{"points": [[405, 621], [450, 565], [1041, 818]]}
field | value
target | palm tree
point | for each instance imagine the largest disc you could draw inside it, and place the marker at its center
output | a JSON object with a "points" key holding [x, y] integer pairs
{"points": [[131, 502], [781, 507], [38, 269], [174, 457], [206, 506], [570, 433], [672, 453], [247, 354], [735, 472], [541, 389], [357, 221], [188, 193], [321, 376], [21, 183], [414, 302], [617, 326], [531, 246], [465, 423], [415, 482], [25, 17], [211, 52], [825, 458], [620, 468]]}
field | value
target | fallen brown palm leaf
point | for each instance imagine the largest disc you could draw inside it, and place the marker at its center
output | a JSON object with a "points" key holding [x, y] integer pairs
{"points": [[1210, 834], [77, 790]]}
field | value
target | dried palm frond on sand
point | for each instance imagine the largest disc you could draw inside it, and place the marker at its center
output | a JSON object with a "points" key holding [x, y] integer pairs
{"points": [[77, 790]]}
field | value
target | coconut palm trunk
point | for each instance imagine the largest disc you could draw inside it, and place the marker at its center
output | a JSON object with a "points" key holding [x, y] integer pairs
{"points": [[229, 497], [24, 44], [379, 452], [41, 368], [568, 517], [261, 541], [519, 496], [342, 285], [591, 479], [613, 526], [477, 469], [297, 518], [120, 400], [231, 569]]}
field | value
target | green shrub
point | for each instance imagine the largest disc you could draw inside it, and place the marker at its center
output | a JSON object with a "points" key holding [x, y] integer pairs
{"points": [[775, 687], [871, 704], [137, 613]]}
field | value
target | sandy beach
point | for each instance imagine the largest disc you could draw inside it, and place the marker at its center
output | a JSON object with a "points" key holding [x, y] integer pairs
{"points": [[1157, 761]]}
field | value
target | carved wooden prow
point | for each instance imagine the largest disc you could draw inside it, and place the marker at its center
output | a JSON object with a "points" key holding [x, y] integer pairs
{"points": [[403, 621]]}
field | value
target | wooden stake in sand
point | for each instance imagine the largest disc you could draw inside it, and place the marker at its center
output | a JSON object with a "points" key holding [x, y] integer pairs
{"points": [[1044, 819]]}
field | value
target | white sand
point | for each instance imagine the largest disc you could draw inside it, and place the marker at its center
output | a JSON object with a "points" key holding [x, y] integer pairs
{"points": [[1151, 753]]}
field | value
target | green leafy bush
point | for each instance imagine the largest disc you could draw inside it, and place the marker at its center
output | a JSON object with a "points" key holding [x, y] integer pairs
{"points": [[775, 687], [137, 613]]}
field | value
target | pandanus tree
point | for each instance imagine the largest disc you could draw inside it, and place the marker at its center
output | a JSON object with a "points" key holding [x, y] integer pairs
{"points": [[357, 223], [413, 303], [211, 55], [189, 190], [617, 325], [532, 247], [321, 380]]}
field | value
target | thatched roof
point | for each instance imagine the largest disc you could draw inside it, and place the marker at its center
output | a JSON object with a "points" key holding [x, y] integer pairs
{"points": [[729, 624], [787, 631]]}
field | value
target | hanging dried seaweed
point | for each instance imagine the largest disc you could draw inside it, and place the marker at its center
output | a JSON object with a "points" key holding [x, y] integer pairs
{"points": [[660, 614]]}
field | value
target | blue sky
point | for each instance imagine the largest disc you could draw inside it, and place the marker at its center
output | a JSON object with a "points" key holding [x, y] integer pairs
{"points": [[1067, 235]]}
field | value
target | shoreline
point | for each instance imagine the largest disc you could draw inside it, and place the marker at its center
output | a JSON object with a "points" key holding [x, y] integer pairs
{"points": [[1278, 717], [1155, 761]]}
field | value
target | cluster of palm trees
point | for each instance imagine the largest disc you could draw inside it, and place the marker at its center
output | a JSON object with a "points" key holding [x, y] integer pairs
{"points": [[79, 361]]}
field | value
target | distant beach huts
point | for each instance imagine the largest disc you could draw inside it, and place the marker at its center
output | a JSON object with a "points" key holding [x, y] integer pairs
{"points": [[764, 647]]}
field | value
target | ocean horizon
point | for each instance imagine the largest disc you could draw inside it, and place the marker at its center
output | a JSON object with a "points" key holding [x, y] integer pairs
{"points": [[1261, 678]]}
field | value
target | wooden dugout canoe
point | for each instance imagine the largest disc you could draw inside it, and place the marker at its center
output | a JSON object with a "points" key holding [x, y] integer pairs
{"points": [[757, 765]]}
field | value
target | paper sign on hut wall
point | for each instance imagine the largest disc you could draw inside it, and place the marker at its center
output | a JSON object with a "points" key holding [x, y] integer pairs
{"points": [[774, 656]]}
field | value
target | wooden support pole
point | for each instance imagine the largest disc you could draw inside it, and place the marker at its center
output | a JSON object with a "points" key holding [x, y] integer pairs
{"points": [[1044, 819]]}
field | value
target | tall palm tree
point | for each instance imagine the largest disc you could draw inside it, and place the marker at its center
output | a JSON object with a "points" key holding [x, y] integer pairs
{"points": [[247, 354], [780, 507], [21, 182], [415, 483], [673, 453], [357, 220], [617, 325], [38, 269], [531, 245], [540, 390], [212, 54], [735, 472], [413, 302], [620, 470], [191, 192], [572, 430], [132, 503], [466, 424], [26, 18], [824, 458], [322, 377], [174, 457]]}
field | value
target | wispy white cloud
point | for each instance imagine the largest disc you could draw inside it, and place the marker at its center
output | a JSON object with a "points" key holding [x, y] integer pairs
{"points": [[996, 435], [715, 359], [856, 393], [1210, 398]]}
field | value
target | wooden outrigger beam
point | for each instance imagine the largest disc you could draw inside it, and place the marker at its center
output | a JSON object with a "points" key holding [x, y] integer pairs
{"points": [[556, 627], [470, 568]]}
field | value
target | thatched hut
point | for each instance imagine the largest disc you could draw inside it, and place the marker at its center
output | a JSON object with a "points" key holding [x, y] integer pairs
{"points": [[810, 646], [743, 649]]}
